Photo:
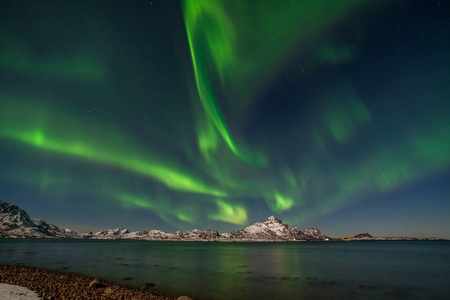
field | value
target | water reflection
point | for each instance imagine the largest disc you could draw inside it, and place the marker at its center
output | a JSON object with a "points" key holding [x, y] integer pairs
{"points": [[248, 270]]}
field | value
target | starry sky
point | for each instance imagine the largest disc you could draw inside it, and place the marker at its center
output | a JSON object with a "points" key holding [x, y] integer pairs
{"points": [[215, 114]]}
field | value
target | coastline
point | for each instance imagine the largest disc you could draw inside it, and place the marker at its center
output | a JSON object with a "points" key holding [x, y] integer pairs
{"points": [[51, 285]]}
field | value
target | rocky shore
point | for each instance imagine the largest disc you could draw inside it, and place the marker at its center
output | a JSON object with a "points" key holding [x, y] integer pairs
{"points": [[53, 285]]}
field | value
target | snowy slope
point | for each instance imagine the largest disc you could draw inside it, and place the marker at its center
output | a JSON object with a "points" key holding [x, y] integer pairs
{"points": [[16, 223], [273, 229]]}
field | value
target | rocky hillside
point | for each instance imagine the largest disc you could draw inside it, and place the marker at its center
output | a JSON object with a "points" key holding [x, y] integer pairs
{"points": [[16, 223], [316, 233]]}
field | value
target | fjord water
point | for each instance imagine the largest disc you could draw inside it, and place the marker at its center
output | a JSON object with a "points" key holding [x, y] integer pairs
{"points": [[298, 270]]}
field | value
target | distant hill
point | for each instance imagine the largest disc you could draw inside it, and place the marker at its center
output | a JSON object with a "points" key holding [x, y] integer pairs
{"points": [[363, 236]]}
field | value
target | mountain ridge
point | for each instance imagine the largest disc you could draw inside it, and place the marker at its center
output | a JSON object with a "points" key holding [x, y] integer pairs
{"points": [[272, 229], [16, 223]]}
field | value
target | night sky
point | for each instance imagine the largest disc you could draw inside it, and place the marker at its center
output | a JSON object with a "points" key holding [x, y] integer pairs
{"points": [[216, 114]]}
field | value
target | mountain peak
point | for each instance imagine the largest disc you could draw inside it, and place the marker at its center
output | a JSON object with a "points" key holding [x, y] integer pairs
{"points": [[11, 216], [272, 219], [15, 222]]}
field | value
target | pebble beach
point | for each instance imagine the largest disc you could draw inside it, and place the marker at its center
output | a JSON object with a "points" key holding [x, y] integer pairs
{"points": [[53, 285]]}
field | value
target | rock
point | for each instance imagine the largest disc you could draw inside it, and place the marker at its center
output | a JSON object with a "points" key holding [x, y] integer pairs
{"points": [[96, 284], [93, 283], [108, 291], [184, 298]]}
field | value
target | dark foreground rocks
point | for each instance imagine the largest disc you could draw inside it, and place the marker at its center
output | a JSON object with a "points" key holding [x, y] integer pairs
{"points": [[57, 285]]}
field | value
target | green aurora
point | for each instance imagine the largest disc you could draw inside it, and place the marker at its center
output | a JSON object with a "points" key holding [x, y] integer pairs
{"points": [[223, 112]]}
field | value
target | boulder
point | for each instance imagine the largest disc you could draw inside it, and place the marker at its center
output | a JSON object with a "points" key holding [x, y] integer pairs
{"points": [[96, 284]]}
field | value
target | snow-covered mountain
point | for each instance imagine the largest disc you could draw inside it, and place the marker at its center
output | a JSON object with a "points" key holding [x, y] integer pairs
{"points": [[316, 233], [154, 235], [273, 229], [109, 234], [71, 232], [16, 223]]}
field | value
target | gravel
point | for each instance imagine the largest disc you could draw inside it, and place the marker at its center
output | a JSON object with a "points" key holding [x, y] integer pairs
{"points": [[53, 285]]}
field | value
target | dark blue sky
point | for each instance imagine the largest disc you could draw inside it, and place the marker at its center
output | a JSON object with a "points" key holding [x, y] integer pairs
{"points": [[181, 115]]}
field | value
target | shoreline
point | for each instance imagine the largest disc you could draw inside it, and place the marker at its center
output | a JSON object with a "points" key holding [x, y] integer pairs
{"points": [[52, 285], [377, 239]]}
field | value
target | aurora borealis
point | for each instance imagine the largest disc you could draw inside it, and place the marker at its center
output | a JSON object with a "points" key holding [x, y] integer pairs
{"points": [[215, 114]]}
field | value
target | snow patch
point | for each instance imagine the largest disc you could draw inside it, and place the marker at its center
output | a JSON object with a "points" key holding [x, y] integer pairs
{"points": [[15, 292]]}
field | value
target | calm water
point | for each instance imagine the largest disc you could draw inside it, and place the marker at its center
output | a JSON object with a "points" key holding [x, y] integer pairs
{"points": [[305, 270]]}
